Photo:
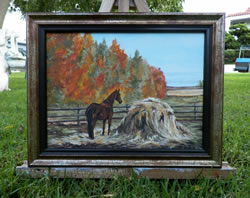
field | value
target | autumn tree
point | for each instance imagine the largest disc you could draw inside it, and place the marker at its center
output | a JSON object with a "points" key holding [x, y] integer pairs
{"points": [[70, 65], [61, 63], [159, 81], [85, 71]]}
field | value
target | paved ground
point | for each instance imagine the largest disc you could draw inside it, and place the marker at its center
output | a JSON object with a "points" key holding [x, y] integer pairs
{"points": [[229, 69]]}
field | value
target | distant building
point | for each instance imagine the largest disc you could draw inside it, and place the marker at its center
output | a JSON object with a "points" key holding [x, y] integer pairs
{"points": [[16, 53], [22, 48], [240, 17]]}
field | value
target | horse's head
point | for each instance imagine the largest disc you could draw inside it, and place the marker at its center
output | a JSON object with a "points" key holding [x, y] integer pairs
{"points": [[118, 96]]}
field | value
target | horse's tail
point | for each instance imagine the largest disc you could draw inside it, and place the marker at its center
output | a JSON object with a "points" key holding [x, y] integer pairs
{"points": [[89, 113]]}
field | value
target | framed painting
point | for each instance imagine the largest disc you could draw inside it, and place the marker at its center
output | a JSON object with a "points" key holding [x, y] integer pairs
{"points": [[125, 89]]}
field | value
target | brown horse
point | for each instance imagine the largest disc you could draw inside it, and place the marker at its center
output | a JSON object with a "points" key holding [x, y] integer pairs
{"points": [[103, 111]]}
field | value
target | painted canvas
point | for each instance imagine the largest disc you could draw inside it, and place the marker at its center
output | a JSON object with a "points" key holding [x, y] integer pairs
{"points": [[130, 91]]}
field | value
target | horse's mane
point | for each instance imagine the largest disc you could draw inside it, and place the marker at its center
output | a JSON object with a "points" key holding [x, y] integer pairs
{"points": [[108, 99]]}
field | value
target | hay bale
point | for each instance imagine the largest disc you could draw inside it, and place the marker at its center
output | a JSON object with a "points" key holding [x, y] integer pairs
{"points": [[154, 120]]}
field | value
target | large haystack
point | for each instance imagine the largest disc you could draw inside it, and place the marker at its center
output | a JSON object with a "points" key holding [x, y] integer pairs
{"points": [[154, 120]]}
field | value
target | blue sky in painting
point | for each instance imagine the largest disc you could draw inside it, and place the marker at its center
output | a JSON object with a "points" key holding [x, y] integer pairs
{"points": [[179, 55]]}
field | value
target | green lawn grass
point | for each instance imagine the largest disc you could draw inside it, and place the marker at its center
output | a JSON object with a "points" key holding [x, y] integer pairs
{"points": [[236, 137]]}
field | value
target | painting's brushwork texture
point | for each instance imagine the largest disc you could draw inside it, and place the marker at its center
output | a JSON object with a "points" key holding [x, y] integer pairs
{"points": [[87, 77], [83, 71]]}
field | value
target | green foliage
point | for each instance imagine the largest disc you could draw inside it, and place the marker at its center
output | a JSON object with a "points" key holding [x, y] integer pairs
{"points": [[86, 5], [55, 5], [165, 5], [238, 35], [79, 66], [239, 30], [200, 83], [13, 150], [231, 42], [230, 56]]}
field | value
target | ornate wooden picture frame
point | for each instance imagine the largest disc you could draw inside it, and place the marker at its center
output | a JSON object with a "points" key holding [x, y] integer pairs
{"points": [[80, 66]]}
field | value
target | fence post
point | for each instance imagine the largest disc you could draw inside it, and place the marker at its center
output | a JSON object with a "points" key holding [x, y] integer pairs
{"points": [[127, 107], [78, 115], [195, 111]]}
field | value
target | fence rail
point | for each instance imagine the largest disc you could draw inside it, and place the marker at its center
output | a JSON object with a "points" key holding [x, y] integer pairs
{"points": [[76, 115]]}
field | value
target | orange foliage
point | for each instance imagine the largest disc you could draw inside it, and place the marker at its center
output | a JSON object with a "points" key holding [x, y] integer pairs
{"points": [[159, 81], [62, 69], [112, 89], [75, 67], [122, 57], [148, 90], [100, 63], [100, 80]]}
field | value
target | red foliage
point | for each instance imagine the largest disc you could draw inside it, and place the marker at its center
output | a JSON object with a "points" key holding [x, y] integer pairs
{"points": [[62, 70], [80, 73], [122, 57], [159, 81], [99, 61], [100, 80]]}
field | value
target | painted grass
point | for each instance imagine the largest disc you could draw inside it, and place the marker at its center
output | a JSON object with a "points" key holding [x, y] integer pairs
{"points": [[13, 132]]}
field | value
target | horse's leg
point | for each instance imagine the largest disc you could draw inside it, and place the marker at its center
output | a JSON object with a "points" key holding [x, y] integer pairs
{"points": [[93, 131], [89, 115], [104, 122], [109, 123]]}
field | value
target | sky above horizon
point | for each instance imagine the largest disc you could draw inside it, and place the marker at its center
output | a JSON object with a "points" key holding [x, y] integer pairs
{"points": [[179, 55]]}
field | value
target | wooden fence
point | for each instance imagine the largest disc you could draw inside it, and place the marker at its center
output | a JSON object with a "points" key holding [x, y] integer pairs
{"points": [[76, 115], [190, 112]]}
